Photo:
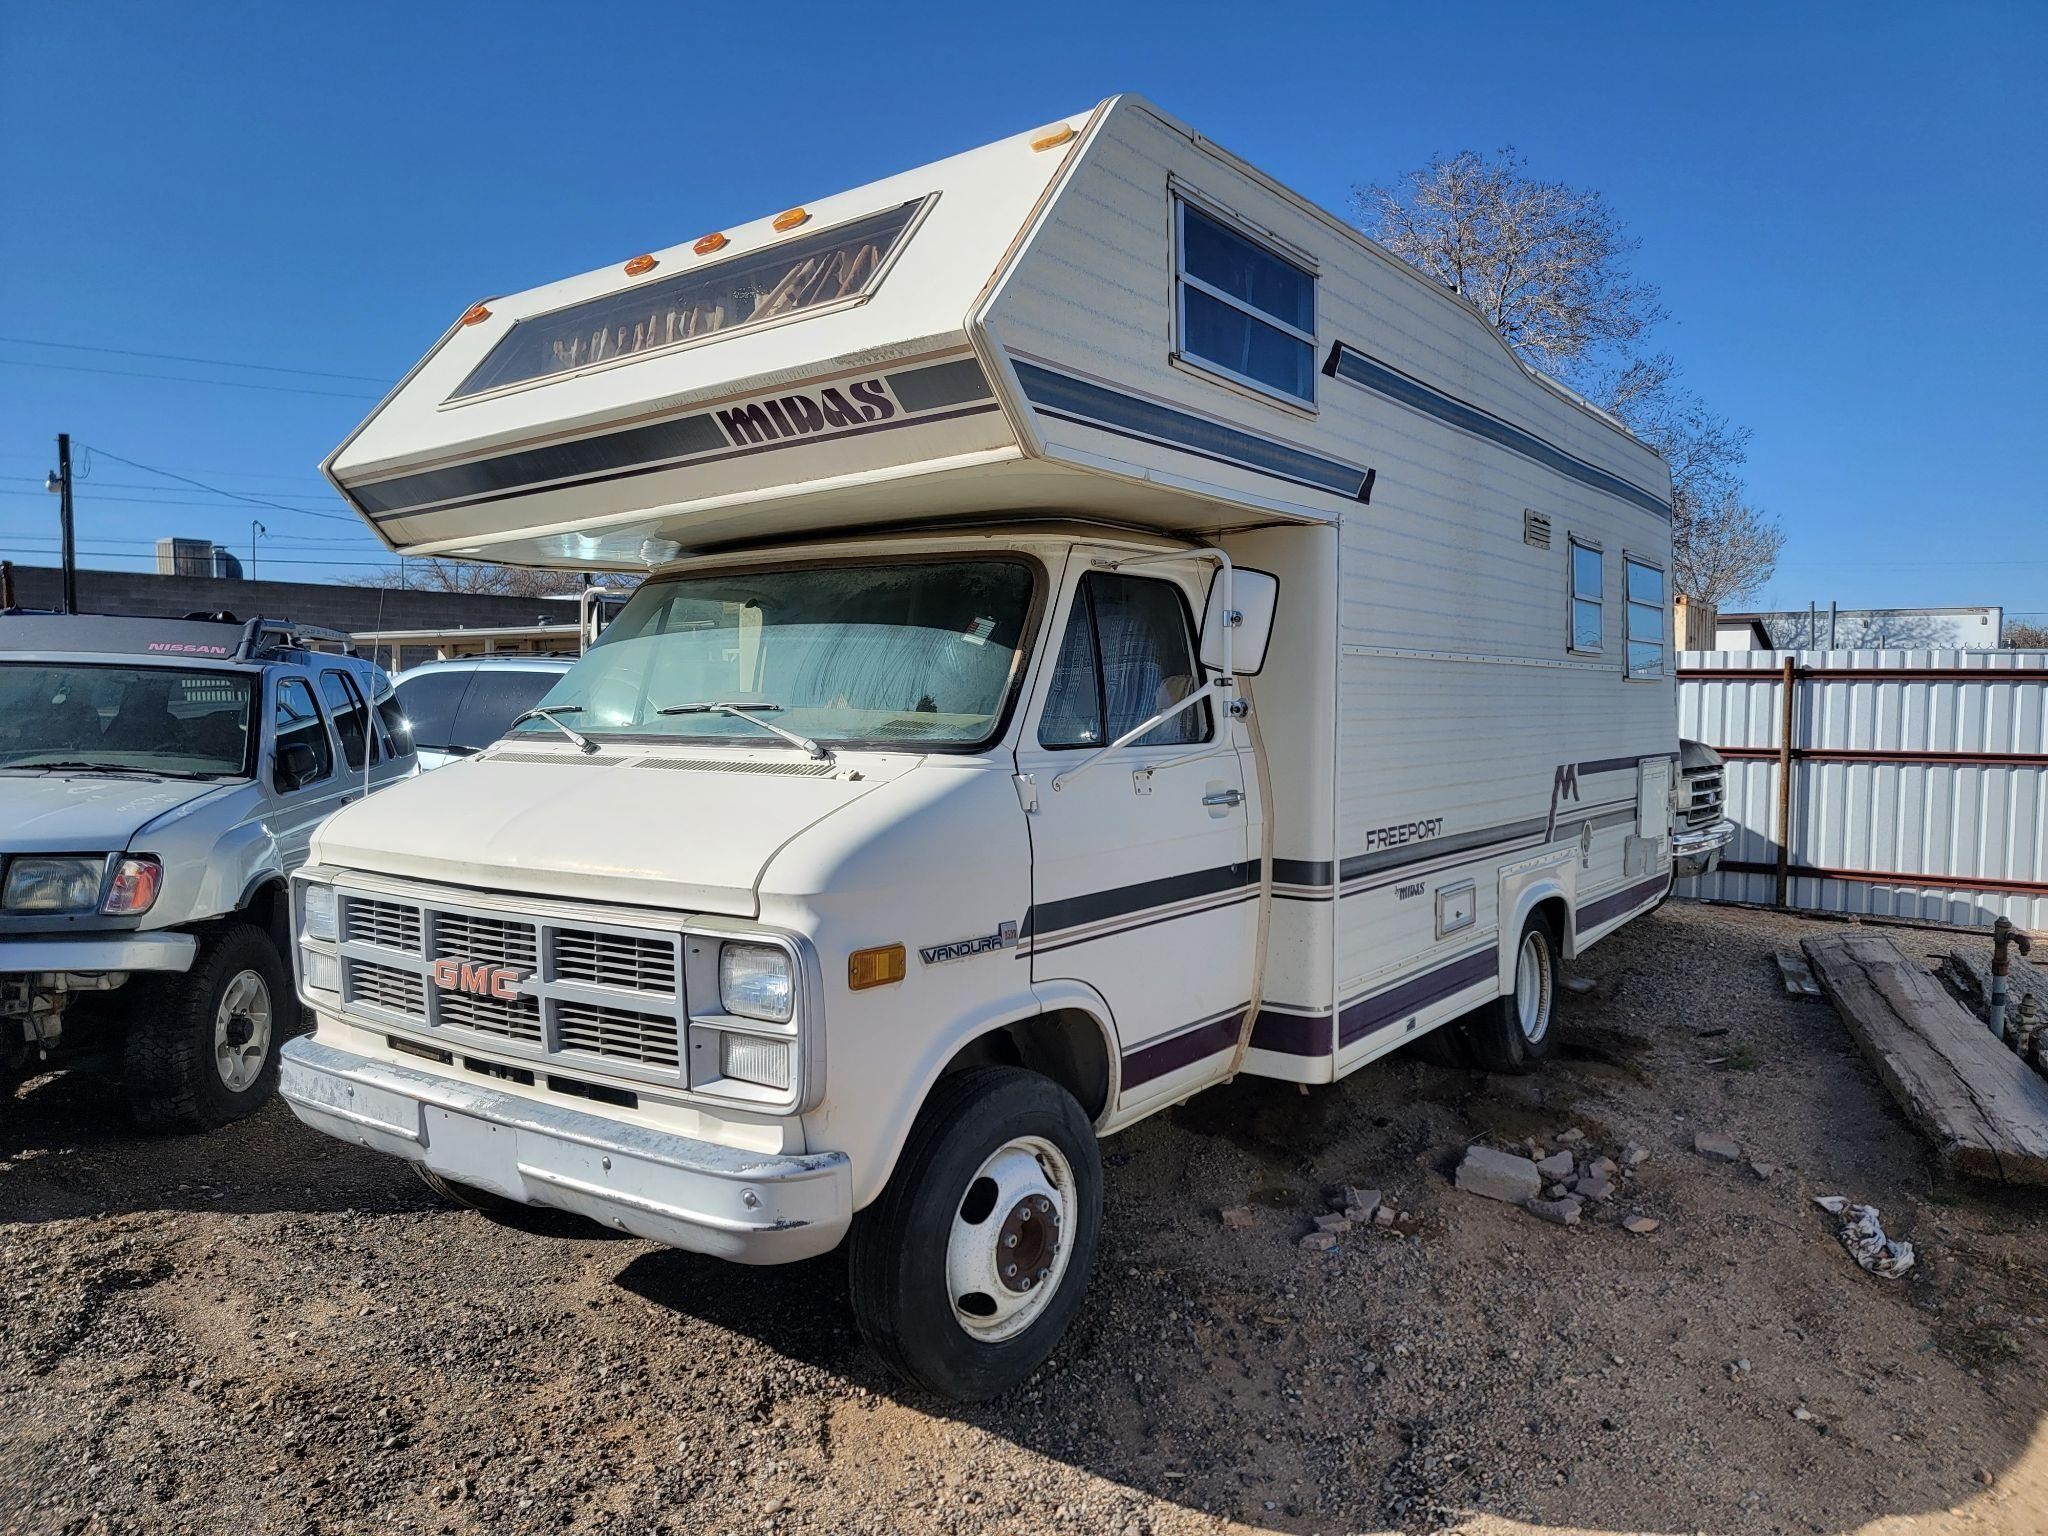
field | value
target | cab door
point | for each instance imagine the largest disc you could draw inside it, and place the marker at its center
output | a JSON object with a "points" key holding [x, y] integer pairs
{"points": [[1144, 868]]}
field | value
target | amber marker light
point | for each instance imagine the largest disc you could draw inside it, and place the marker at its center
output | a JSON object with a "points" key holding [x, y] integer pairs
{"points": [[790, 218], [477, 312], [711, 242], [1053, 138], [640, 264], [875, 967]]}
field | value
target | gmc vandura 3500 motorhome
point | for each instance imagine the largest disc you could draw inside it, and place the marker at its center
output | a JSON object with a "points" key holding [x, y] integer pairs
{"points": [[1110, 628]]}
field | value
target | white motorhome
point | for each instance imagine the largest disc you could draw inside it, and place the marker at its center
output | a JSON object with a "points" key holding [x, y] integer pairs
{"points": [[1110, 627]]}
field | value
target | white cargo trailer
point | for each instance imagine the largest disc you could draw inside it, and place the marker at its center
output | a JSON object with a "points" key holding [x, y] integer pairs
{"points": [[1110, 627]]}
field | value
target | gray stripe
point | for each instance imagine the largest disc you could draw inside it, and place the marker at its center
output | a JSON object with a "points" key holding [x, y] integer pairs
{"points": [[1091, 405], [934, 388], [1347, 362], [1418, 853]]}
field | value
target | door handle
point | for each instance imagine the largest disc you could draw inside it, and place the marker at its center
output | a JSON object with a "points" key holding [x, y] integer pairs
{"points": [[1224, 797]]}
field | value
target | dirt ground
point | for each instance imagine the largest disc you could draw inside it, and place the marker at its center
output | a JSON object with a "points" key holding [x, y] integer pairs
{"points": [[264, 1330]]}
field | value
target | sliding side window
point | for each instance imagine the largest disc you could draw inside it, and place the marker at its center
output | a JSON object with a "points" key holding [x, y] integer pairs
{"points": [[1245, 311], [1588, 575]]}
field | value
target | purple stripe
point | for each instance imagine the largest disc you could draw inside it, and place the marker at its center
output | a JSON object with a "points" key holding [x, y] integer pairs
{"points": [[1371, 1013], [1292, 1034], [1593, 914], [1170, 1055]]}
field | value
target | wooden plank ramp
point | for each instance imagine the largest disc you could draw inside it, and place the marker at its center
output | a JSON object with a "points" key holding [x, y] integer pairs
{"points": [[1985, 1110]]}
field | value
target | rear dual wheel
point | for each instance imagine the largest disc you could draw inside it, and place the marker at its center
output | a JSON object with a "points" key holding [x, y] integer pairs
{"points": [[1515, 1032], [969, 1266]]}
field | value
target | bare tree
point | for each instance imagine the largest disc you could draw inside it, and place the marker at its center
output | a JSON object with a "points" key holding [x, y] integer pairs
{"points": [[1547, 264], [473, 577], [2025, 637]]}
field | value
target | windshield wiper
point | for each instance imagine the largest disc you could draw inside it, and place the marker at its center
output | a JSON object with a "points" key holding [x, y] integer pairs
{"points": [[710, 707], [583, 742], [155, 773]]}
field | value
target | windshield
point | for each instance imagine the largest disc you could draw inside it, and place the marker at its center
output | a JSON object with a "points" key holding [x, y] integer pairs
{"points": [[157, 719], [918, 654]]}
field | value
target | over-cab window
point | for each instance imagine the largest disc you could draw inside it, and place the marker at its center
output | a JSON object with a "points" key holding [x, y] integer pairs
{"points": [[1129, 652], [1588, 573], [704, 299], [1245, 311], [1645, 618]]}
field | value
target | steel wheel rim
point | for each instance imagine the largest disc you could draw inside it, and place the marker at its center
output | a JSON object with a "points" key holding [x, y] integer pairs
{"points": [[241, 1030], [1012, 1234], [1532, 987]]}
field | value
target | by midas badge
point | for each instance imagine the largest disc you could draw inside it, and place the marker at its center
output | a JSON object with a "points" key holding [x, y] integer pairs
{"points": [[1004, 937]]}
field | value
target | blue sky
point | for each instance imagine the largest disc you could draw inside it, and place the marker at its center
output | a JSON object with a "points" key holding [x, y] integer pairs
{"points": [[1841, 204]]}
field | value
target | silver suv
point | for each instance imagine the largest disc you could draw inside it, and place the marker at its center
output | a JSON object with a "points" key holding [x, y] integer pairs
{"points": [[159, 780]]}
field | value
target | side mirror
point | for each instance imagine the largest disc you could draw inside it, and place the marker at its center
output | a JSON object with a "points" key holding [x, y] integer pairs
{"points": [[296, 765], [1254, 595]]}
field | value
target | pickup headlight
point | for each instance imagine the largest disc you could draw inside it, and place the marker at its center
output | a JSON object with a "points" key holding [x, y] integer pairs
{"points": [[755, 982], [317, 912], [40, 884]]}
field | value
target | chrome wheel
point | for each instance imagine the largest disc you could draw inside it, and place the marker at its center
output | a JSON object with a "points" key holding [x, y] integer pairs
{"points": [[1533, 987], [241, 1031], [1011, 1238]]}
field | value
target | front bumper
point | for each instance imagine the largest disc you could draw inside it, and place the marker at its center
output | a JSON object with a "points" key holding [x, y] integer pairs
{"points": [[752, 1207], [1696, 850], [97, 953]]}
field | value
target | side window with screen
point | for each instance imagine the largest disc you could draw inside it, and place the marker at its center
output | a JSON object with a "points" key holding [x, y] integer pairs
{"points": [[1129, 652], [351, 717], [298, 721], [428, 700]]}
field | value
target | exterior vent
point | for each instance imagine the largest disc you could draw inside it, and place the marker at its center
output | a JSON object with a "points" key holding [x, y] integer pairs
{"points": [[581, 759], [1535, 529], [800, 768]]}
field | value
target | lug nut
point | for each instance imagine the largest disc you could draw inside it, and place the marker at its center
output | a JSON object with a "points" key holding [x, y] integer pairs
{"points": [[1010, 1241], [1024, 1284], [1024, 1212], [1009, 1271], [1044, 1204], [1045, 1274]]}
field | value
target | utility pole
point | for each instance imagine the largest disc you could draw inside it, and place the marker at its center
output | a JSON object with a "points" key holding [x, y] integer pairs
{"points": [[256, 529], [60, 482]]}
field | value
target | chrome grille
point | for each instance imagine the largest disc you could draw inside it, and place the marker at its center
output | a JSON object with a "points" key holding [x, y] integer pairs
{"points": [[620, 1033], [384, 986], [485, 940], [387, 924], [1703, 796], [627, 961], [518, 1019]]}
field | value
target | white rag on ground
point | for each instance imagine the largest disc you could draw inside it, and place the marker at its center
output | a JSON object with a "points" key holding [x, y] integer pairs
{"points": [[1863, 1236]]}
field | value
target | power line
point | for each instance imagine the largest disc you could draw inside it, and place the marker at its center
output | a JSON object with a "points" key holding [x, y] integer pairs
{"points": [[127, 554], [180, 378], [132, 485], [157, 501], [174, 357], [226, 474], [214, 490], [275, 538]]}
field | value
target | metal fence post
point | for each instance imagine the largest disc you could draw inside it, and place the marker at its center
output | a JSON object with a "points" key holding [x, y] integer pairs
{"points": [[1787, 682]]}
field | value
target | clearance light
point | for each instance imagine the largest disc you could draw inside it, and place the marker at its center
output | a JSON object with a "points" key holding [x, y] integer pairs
{"points": [[477, 312], [133, 889], [791, 218], [1053, 138], [711, 242], [875, 967], [659, 551], [640, 264]]}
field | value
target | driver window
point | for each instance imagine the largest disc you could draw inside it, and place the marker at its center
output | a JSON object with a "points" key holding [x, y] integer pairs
{"points": [[298, 720], [1129, 652]]}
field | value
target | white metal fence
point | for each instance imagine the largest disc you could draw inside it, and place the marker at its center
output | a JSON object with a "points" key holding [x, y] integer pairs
{"points": [[1918, 780]]}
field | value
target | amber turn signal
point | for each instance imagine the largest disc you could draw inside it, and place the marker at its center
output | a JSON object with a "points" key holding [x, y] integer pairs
{"points": [[1053, 138], [711, 242], [476, 312], [639, 264], [875, 967], [790, 218]]}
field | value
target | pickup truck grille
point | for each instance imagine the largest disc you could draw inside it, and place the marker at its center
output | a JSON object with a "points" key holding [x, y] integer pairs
{"points": [[1702, 797], [528, 984]]}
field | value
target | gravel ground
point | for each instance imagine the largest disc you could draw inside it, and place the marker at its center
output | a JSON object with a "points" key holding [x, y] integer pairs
{"points": [[264, 1330]]}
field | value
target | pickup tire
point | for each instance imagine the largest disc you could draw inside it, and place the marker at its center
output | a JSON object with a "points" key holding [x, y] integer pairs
{"points": [[202, 1049], [968, 1267], [1516, 1033]]}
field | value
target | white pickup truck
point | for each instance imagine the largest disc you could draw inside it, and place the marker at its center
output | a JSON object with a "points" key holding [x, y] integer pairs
{"points": [[1108, 628]]}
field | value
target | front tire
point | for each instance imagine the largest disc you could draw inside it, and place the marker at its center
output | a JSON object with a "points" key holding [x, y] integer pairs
{"points": [[1517, 1033], [203, 1049], [969, 1266]]}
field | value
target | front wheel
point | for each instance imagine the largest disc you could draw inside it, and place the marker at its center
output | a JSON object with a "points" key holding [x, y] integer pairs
{"points": [[203, 1048], [969, 1266], [1516, 1033]]}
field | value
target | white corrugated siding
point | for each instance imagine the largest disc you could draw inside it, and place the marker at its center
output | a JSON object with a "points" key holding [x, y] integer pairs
{"points": [[1976, 829]]}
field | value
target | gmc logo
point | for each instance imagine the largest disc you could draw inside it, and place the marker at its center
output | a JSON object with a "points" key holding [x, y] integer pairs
{"points": [[499, 981]]}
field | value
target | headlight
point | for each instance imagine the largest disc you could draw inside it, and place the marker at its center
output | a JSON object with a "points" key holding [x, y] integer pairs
{"points": [[53, 885], [133, 889], [754, 981], [317, 912], [750, 1059]]}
